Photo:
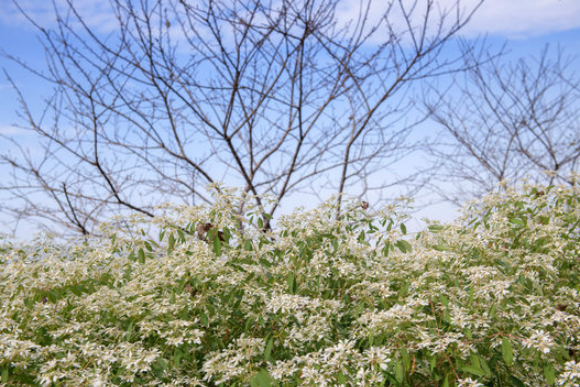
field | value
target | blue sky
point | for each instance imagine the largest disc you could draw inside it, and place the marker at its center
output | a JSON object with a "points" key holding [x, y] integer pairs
{"points": [[525, 25]]}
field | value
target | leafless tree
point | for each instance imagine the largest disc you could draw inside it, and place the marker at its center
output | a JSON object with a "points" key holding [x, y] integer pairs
{"points": [[506, 120], [274, 97]]}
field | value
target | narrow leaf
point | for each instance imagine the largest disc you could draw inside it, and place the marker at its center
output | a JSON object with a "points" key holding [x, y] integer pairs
{"points": [[268, 350], [435, 228], [217, 246], [291, 283], [473, 370], [404, 246], [507, 352], [171, 242], [203, 319], [549, 374], [399, 373]]}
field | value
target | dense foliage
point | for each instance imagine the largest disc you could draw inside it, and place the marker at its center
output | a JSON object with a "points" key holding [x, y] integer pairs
{"points": [[491, 300]]}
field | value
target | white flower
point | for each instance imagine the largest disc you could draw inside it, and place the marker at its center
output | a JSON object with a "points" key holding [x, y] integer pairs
{"points": [[468, 382], [571, 375], [539, 340]]}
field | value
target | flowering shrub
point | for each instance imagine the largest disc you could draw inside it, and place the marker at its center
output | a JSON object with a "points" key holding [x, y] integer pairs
{"points": [[491, 300]]}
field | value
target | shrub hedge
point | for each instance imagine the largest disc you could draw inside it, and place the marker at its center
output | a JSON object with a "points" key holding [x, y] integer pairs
{"points": [[489, 300]]}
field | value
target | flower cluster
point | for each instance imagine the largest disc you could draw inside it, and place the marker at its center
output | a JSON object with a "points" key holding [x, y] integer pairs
{"points": [[492, 299]]}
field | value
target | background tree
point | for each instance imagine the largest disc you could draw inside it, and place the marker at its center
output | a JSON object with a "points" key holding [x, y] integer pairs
{"points": [[504, 120], [275, 97]]}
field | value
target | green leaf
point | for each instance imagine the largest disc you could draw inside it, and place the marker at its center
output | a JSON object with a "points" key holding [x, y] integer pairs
{"points": [[485, 367], [248, 245], [268, 350], [141, 256], [260, 223], [403, 246], [267, 216], [507, 352], [435, 228], [399, 372], [432, 363], [492, 311], [177, 355], [386, 249], [171, 242], [474, 370], [217, 246], [52, 296], [226, 235], [203, 319], [291, 281], [129, 331], [441, 247], [517, 222], [468, 333], [406, 359], [403, 229], [261, 379], [549, 374], [76, 290], [5, 374]]}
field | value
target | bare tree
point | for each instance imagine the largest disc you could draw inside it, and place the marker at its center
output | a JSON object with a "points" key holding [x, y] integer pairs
{"points": [[271, 96], [505, 120]]}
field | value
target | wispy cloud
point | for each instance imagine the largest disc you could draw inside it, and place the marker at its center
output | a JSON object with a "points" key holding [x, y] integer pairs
{"points": [[5, 87], [96, 13], [520, 19], [10, 130], [511, 19]]}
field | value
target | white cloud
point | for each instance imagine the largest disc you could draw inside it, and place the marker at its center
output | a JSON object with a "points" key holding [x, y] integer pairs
{"points": [[507, 18], [96, 13], [9, 130], [512, 19], [5, 87], [519, 19]]}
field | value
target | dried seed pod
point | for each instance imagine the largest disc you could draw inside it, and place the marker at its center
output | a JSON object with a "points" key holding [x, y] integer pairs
{"points": [[202, 229]]}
